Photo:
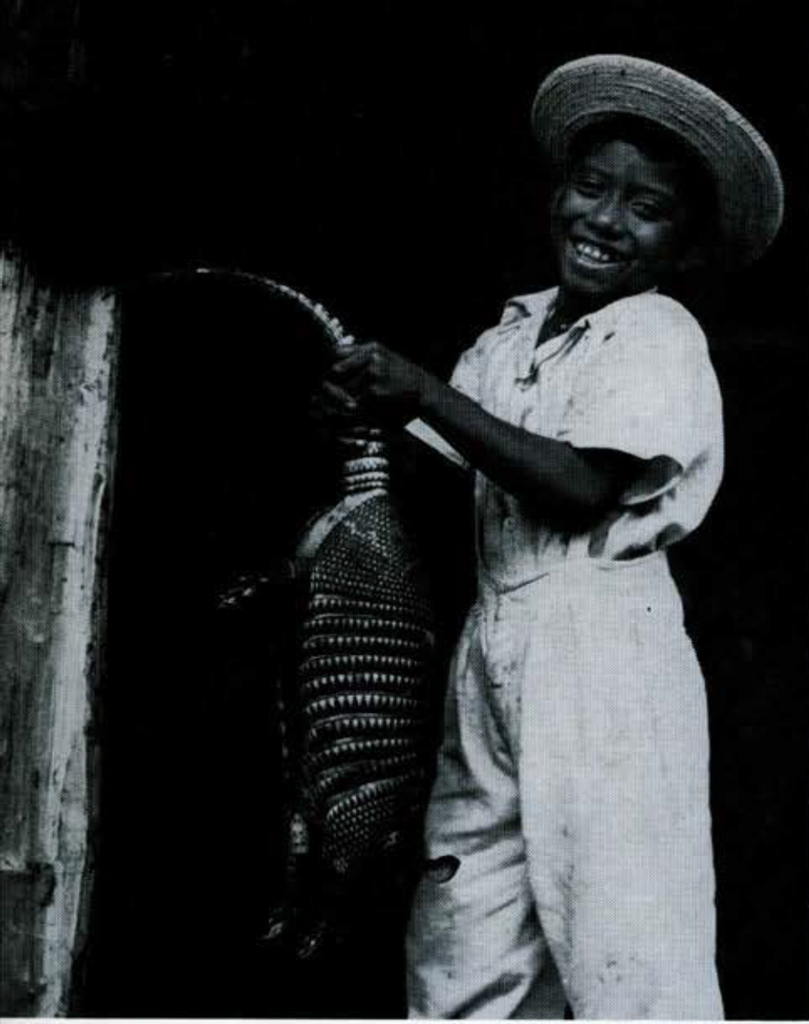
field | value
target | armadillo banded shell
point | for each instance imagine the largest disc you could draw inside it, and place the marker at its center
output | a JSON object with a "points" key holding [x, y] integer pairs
{"points": [[362, 682], [352, 751], [352, 825], [383, 645], [340, 705], [353, 775], [329, 730], [325, 666], [363, 687], [348, 625]]}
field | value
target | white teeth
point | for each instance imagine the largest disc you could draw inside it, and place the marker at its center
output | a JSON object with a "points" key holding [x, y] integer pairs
{"points": [[595, 253]]}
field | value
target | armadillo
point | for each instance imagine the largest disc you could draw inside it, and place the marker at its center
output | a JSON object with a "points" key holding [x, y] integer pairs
{"points": [[362, 698], [357, 713]]}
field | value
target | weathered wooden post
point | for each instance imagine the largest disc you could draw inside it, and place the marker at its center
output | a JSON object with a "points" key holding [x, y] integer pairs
{"points": [[58, 351]]}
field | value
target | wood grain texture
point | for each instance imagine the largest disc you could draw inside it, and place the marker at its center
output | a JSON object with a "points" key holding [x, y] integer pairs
{"points": [[58, 353]]}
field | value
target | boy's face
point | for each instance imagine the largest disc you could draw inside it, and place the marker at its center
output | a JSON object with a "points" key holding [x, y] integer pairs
{"points": [[618, 223]]}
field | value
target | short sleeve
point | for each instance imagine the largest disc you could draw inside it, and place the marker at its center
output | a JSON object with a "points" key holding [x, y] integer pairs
{"points": [[466, 375], [649, 388]]}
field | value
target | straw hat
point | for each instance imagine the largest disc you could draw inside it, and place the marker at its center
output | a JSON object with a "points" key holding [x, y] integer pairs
{"points": [[749, 189]]}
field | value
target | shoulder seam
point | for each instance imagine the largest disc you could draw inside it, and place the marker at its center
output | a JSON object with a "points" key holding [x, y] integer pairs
{"points": [[673, 307]]}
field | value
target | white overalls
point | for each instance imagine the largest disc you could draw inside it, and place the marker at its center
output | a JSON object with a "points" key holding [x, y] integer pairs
{"points": [[572, 787]]}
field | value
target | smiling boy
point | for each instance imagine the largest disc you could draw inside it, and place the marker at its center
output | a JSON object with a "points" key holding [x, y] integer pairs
{"points": [[627, 218], [568, 835]]}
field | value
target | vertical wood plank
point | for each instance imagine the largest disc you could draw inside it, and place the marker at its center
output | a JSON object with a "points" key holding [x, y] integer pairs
{"points": [[58, 352]]}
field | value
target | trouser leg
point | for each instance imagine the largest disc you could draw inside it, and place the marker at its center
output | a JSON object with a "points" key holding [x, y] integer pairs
{"points": [[615, 803], [474, 946]]}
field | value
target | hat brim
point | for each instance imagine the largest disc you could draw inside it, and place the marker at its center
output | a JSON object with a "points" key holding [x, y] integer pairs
{"points": [[747, 181]]}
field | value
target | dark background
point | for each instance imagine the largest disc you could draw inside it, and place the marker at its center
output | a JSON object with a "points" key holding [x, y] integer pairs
{"points": [[378, 157]]}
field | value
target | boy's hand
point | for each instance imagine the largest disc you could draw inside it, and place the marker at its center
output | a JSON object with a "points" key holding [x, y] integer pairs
{"points": [[332, 407], [382, 382]]}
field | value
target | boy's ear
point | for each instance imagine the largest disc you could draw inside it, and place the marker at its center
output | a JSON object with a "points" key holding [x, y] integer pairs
{"points": [[697, 256], [693, 259]]}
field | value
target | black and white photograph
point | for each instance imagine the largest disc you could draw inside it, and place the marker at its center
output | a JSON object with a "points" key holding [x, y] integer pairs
{"points": [[404, 560]]}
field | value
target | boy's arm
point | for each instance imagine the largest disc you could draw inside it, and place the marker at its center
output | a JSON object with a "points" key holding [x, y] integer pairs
{"points": [[542, 472]]}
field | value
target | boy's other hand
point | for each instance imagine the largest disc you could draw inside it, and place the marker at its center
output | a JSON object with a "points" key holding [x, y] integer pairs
{"points": [[331, 408]]}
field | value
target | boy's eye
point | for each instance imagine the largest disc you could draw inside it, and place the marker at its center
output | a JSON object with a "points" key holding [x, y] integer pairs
{"points": [[650, 209], [586, 185]]}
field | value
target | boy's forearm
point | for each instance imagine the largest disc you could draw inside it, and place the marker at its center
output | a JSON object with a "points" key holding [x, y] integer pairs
{"points": [[538, 470]]}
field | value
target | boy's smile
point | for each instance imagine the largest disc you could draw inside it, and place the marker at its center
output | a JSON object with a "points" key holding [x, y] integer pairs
{"points": [[618, 223]]}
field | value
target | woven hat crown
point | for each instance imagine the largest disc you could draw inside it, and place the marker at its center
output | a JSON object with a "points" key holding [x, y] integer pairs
{"points": [[745, 174]]}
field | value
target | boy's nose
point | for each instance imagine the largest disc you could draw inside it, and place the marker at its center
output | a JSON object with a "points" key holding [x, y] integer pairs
{"points": [[605, 215]]}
